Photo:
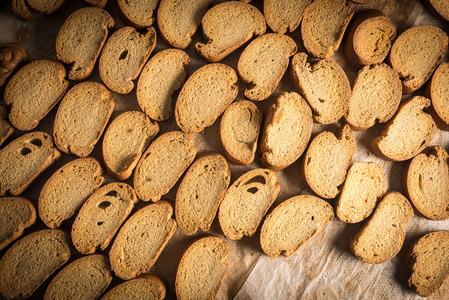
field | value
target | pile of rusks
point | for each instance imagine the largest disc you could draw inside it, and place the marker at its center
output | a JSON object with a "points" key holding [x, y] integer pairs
{"points": [[117, 241]]}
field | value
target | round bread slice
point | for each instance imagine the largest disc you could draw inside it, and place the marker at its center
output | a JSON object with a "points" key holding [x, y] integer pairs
{"points": [[200, 193], [439, 8], [67, 189], [101, 216], [24, 159], [239, 131], [137, 13], [145, 286], [286, 132], [16, 214], [125, 140], [409, 132], [141, 240], [284, 15], [416, 53], [80, 39], [163, 74], [31, 260], [428, 258], [85, 278], [13, 57], [202, 269], [123, 57], [293, 223], [227, 26], [162, 164], [263, 63], [324, 85], [382, 236], [33, 91], [323, 25], [437, 91], [427, 183], [375, 97], [365, 183], [82, 117], [205, 96], [6, 128], [246, 202]]}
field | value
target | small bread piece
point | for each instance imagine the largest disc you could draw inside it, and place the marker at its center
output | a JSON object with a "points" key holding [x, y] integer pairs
{"points": [[146, 286], [369, 38], [205, 96], [123, 57], [16, 214], [141, 240], [239, 131], [382, 236], [365, 183], [31, 260], [24, 159], [163, 74], [162, 164], [375, 97], [45, 7], [427, 183], [138, 13], [428, 258], [409, 132], [324, 85], [226, 27], [440, 8], [81, 38], [293, 223], [200, 193], [263, 63], [323, 25], [125, 140], [437, 91], [33, 91], [286, 133], [6, 128], [179, 20], [82, 117], [246, 202], [12, 57], [85, 278], [101, 216], [283, 15], [327, 160], [416, 53]]}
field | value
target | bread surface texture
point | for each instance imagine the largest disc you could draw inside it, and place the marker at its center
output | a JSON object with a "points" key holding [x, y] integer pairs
{"points": [[293, 223], [205, 96], [437, 92], [246, 202], [82, 117], [80, 39], [263, 63], [125, 140], [145, 286], [162, 75], [139, 13], [202, 268], [382, 236], [227, 26], [6, 129], [33, 91], [23, 159], [284, 15], [169, 154], [141, 240], [286, 131], [409, 132], [31, 260]]}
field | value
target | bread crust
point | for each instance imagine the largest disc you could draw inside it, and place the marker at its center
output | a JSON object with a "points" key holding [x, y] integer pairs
{"points": [[150, 286]]}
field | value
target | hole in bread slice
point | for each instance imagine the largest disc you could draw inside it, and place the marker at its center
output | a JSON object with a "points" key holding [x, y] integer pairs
{"points": [[104, 204], [24, 151], [258, 178], [123, 55], [36, 142], [112, 194], [252, 190], [99, 223]]}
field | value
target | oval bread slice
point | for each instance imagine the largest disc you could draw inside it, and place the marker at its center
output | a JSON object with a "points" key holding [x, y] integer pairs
{"points": [[101, 216], [125, 140], [85, 278], [137, 13], [6, 128], [141, 240], [145, 286], [31, 260], [284, 15], [162, 164], [293, 223], [202, 269], [437, 91], [382, 236]]}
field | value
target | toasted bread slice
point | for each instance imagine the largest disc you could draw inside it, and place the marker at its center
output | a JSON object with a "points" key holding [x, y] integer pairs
{"points": [[382, 236], [437, 91], [45, 7], [286, 131], [97, 3], [13, 57], [145, 286], [284, 15], [138, 13], [409, 132], [293, 223], [6, 128]]}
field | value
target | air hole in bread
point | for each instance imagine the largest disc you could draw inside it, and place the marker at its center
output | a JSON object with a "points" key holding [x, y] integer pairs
{"points": [[99, 223], [112, 194], [321, 100], [252, 190], [312, 218], [104, 204], [308, 160], [24, 151], [258, 178], [123, 55], [422, 143], [420, 182], [36, 142]]}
